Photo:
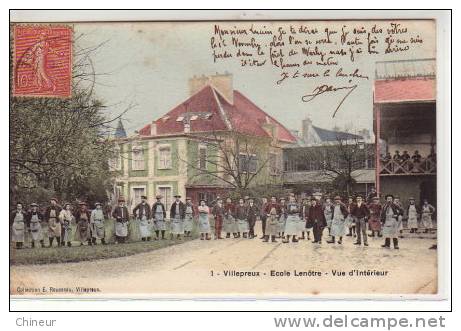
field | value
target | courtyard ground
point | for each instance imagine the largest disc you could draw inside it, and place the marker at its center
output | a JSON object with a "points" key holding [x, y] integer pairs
{"points": [[229, 267]]}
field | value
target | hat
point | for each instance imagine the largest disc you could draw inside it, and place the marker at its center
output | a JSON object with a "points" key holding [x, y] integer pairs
{"points": [[188, 198], [218, 198], [33, 204], [67, 204], [411, 198], [98, 204], [337, 197], [143, 197], [121, 199], [359, 196], [246, 197], [313, 199], [177, 195], [55, 199], [158, 196]]}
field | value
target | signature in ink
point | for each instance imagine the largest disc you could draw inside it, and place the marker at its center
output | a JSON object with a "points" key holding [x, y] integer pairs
{"points": [[321, 89]]}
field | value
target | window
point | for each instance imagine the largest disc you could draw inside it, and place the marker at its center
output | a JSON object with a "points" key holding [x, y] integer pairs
{"points": [[248, 163], [164, 159], [202, 157], [137, 159], [137, 192], [165, 192], [115, 163]]}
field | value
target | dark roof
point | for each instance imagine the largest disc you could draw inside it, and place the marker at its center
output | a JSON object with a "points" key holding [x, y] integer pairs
{"points": [[330, 135], [120, 130]]}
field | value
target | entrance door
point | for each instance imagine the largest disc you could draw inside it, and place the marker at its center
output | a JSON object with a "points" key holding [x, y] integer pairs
{"points": [[428, 189]]}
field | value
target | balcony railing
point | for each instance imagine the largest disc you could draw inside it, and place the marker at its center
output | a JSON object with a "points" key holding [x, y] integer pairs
{"points": [[426, 166]]}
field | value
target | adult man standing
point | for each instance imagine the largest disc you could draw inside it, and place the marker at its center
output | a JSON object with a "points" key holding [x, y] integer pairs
{"points": [[66, 217], [98, 230], [159, 215], [121, 216], [338, 226], [391, 224], [18, 225], [400, 217], [189, 217], [241, 218], [272, 227], [252, 214], [304, 214], [317, 217], [142, 214], [350, 221], [83, 232], [361, 213], [34, 223], [218, 212], [375, 217], [54, 226], [177, 214], [328, 212], [263, 216], [292, 221], [282, 217], [426, 215], [412, 216], [229, 225]]}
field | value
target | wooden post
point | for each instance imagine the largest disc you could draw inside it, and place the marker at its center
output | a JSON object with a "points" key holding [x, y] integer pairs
{"points": [[377, 149]]}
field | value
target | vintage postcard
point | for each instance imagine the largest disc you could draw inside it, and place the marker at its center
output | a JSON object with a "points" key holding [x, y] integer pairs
{"points": [[293, 159]]}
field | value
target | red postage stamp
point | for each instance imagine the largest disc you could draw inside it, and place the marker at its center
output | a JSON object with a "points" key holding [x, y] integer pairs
{"points": [[42, 65]]}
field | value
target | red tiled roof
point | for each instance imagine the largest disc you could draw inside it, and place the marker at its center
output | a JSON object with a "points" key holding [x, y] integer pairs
{"points": [[401, 90], [242, 116]]}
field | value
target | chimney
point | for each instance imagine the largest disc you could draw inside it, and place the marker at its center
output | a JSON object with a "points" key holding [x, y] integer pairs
{"points": [[365, 134], [306, 125], [271, 129], [153, 129], [221, 82]]}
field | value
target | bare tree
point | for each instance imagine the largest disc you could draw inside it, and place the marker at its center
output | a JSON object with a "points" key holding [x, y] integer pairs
{"points": [[234, 158], [337, 161]]}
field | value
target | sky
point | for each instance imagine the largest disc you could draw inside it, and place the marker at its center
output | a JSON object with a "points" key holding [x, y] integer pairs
{"points": [[148, 64]]}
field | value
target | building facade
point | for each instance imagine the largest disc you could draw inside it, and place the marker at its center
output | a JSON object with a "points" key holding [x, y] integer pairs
{"points": [[215, 141], [405, 121], [321, 158]]}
